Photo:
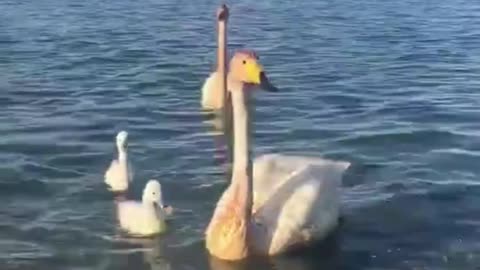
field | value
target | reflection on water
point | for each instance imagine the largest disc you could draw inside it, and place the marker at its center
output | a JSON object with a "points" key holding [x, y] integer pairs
{"points": [[137, 253], [221, 125], [155, 256], [323, 255]]}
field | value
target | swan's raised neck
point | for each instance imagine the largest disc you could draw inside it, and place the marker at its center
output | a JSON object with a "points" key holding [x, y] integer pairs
{"points": [[122, 144], [222, 18]]}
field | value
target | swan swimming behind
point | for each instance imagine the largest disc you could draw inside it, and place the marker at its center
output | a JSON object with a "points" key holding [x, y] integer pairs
{"points": [[214, 89], [119, 174], [147, 217]]}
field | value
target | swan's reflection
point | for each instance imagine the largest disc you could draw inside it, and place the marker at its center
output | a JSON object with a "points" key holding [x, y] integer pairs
{"points": [[324, 255], [154, 255], [158, 254], [148, 252], [221, 127]]}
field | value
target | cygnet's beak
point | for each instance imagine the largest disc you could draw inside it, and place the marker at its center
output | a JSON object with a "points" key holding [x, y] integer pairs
{"points": [[168, 209], [265, 83]]}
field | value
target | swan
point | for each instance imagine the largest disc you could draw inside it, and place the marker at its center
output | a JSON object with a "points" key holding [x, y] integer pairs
{"points": [[120, 173], [214, 89], [283, 202], [144, 218]]}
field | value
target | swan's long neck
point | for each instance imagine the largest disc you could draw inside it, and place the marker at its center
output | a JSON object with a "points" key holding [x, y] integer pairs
{"points": [[242, 165], [122, 153], [223, 92], [222, 59]]}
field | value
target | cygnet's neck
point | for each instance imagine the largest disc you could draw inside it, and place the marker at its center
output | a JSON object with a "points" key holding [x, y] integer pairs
{"points": [[150, 202], [122, 153]]}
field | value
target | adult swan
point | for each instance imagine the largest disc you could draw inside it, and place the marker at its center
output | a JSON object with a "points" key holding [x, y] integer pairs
{"points": [[291, 201]]}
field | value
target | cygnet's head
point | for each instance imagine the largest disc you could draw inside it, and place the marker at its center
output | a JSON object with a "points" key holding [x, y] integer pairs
{"points": [[245, 67], [153, 193], [121, 139]]}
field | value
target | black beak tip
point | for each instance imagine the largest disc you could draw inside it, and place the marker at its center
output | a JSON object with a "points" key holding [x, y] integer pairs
{"points": [[266, 85]]}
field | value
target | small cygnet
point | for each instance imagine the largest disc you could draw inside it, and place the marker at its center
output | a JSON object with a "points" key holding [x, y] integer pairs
{"points": [[119, 174], [147, 217]]}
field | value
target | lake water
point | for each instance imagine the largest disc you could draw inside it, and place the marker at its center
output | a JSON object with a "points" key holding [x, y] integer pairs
{"points": [[391, 86]]}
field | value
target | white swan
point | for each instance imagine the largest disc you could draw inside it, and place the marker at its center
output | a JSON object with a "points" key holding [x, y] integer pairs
{"points": [[119, 174], [144, 218], [291, 200], [214, 89]]}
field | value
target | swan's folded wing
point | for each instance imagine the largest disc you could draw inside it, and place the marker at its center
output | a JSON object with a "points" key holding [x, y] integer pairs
{"points": [[270, 171], [304, 206]]}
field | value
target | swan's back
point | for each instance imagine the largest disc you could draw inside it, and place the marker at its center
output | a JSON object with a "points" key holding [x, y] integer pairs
{"points": [[297, 199], [270, 171]]}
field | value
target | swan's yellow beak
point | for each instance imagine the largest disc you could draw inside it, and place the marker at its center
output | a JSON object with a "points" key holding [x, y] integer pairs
{"points": [[256, 75]]}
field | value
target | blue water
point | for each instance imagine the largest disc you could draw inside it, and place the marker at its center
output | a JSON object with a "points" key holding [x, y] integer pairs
{"points": [[391, 86]]}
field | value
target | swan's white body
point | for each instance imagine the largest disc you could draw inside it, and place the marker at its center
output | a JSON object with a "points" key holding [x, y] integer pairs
{"points": [[120, 173], [296, 200], [212, 99], [143, 218]]}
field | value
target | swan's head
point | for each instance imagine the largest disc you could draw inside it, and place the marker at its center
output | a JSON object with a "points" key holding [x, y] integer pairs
{"points": [[153, 193], [222, 13], [121, 139], [245, 67]]}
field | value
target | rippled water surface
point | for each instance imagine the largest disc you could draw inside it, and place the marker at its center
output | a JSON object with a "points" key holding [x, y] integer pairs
{"points": [[391, 86]]}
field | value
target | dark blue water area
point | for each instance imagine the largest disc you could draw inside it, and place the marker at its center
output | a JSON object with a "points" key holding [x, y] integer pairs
{"points": [[390, 86]]}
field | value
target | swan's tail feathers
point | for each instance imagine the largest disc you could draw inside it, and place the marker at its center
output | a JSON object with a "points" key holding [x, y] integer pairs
{"points": [[343, 165], [336, 169]]}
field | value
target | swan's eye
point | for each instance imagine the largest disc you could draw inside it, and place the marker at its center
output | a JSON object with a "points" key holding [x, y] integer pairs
{"points": [[244, 62], [154, 193]]}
